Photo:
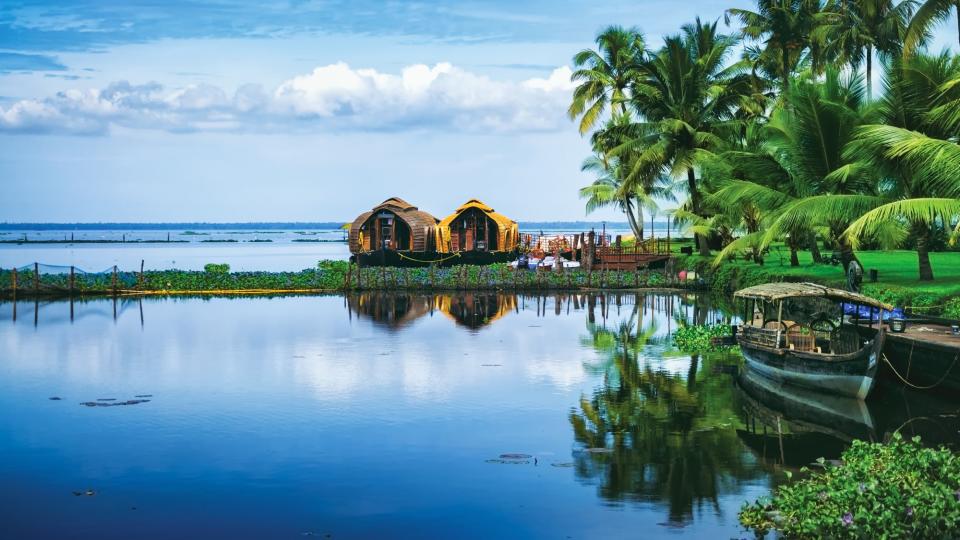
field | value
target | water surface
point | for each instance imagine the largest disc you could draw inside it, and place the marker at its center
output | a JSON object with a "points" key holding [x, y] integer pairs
{"points": [[373, 416]]}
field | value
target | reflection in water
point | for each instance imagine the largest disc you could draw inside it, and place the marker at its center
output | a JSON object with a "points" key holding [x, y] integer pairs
{"points": [[390, 310], [651, 435], [293, 411], [786, 425]]}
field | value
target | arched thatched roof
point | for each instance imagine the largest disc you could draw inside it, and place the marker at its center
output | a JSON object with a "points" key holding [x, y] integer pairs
{"points": [[507, 229], [422, 224]]}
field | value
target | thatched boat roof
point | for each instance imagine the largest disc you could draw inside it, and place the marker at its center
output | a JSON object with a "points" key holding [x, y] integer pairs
{"points": [[772, 292], [421, 223], [502, 221]]}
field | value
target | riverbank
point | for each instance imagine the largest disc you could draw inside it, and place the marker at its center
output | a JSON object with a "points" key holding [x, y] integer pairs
{"points": [[897, 277], [328, 276]]}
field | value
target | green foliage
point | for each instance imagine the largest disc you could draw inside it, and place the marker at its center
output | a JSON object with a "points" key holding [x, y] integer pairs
{"points": [[333, 275], [213, 268], [699, 337], [894, 490]]}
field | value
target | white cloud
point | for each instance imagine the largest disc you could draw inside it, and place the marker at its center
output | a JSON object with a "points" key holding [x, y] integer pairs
{"points": [[335, 97]]}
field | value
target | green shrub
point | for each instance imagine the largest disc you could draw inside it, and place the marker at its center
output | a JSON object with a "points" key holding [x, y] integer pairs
{"points": [[894, 490], [699, 337], [213, 268]]}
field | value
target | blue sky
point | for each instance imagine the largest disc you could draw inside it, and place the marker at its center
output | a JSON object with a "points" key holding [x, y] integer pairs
{"points": [[228, 111]]}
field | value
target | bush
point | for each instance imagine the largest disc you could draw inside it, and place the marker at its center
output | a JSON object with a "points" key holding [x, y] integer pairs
{"points": [[894, 490], [213, 268], [699, 337]]}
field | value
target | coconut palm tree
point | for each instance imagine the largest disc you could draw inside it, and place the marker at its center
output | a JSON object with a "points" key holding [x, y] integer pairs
{"points": [[607, 190], [821, 186], [685, 97], [850, 31], [603, 75], [915, 151], [781, 29], [928, 14]]}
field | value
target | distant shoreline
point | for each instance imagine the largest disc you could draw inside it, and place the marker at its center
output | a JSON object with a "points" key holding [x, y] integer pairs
{"points": [[292, 225]]}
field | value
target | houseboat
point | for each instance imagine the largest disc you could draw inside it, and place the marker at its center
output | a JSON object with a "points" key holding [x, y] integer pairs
{"points": [[800, 334]]}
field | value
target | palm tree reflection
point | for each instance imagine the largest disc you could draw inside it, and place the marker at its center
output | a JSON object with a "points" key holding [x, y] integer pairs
{"points": [[650, 435]]}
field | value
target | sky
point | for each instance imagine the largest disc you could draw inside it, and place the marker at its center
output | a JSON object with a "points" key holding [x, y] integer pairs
{"points": [[222, 110]]}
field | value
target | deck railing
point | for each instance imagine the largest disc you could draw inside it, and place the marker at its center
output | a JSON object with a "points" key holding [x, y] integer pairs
{"points": [[766, 337]]}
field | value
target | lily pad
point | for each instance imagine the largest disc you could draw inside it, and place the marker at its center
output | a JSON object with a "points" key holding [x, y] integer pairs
{"points": [[515, 456], [113, 403]]}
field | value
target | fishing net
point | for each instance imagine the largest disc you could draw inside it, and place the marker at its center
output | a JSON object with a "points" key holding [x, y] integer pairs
{"points": [[50, 277]]}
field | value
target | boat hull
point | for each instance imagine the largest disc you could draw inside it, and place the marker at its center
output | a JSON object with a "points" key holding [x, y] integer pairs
{"points": [[852, 375], [931, 366]]}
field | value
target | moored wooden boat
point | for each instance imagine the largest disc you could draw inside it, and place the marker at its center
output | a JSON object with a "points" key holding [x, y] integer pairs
{"points": [[797, 333]]}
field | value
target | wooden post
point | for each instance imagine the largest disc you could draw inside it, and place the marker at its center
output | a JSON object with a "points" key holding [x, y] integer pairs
{"points": [[13, 278], [140, 281], [359, 270], [669, 225], [36, 277], [383, 265], [114, 280], [71, 280], [779, 323], [589, 252]]}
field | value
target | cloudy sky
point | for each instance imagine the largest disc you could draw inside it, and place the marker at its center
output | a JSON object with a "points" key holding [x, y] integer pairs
{"points": [[216, 110]]}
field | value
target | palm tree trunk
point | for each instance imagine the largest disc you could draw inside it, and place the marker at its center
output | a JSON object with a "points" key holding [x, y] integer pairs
{"points": [[785, 60], [815, 249], [958, 21], [794, 259], [846, 253], [700, 240], [869, 73], [923, 252], [635, 228]]}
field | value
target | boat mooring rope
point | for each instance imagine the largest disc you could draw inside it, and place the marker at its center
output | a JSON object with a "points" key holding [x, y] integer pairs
{"points": [[910, 384], [402, 256]]}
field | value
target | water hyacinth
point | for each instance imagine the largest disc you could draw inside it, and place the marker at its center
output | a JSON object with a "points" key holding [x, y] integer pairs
{"points": [[894, 490], [331, 276], [847, 519]]}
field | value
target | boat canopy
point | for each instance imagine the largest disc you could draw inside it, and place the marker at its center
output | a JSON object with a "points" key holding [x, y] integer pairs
{"points": [[772, 292]]}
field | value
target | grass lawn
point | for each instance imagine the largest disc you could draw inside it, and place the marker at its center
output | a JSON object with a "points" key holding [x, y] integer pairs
{"points": [[898, 279]]}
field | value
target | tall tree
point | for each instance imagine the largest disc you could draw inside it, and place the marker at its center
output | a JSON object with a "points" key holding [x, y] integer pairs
{"points": [[781, 29], [603, 75], [928, 14], [914, 150], [851, 31], [685, 97], [818, 120]]}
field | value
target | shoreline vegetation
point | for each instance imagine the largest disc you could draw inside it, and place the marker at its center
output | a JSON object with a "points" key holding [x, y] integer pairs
{"points": [[328, 277], [896, 282]]}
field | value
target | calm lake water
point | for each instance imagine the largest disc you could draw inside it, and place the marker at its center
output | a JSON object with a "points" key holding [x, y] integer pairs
{"points": [[244, 250], [388, 416]]}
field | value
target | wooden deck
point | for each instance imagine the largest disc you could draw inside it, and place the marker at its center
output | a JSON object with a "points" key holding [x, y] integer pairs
{"points": [[932, 334], [641, 255], [926, 356]]}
